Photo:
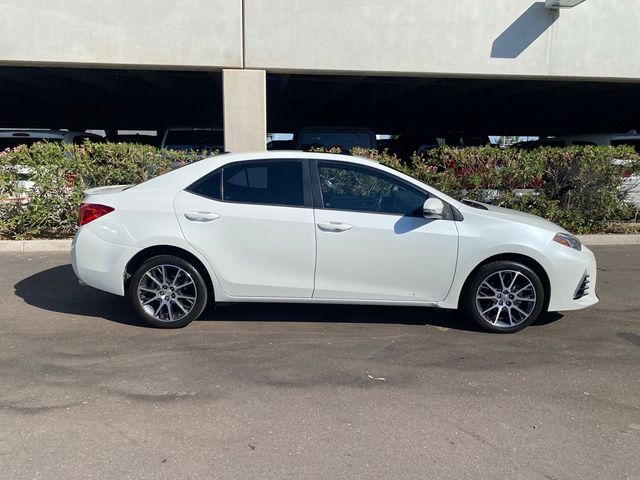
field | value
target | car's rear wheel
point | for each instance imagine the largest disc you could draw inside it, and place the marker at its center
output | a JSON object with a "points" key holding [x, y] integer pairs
{"points": [[504, 297], [167, 292]]}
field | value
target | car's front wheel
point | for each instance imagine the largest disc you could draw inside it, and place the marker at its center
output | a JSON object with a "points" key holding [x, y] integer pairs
{"points": [[167, 292], [504, 297]]}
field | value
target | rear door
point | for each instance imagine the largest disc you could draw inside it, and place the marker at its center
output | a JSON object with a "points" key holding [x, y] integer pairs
{"points": [[253, 221]]}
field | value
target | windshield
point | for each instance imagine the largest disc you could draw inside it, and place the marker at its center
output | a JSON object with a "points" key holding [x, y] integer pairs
{"points": [[198, 140]]}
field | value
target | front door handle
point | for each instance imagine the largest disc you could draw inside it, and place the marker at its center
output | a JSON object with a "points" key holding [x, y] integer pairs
{"points": [[201, 216], [334, 227]]}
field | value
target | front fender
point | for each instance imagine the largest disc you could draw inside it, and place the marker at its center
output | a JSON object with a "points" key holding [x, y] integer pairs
{"points": [[478, 243]]}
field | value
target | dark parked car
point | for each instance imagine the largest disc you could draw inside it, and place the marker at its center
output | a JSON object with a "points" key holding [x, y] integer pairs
{"points": [[334, 137], [196, 139]]}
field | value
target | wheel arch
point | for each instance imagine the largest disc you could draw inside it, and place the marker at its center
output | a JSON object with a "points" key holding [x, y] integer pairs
{"points": [[514, 257], [149, 252]]}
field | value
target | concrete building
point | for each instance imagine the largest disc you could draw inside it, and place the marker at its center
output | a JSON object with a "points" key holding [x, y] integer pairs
{"points": [[512, 66]]}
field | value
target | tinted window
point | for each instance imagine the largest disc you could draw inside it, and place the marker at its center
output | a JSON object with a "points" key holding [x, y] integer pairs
{"points": [[540, 143], [344, 140], [136, 139], [80, 139], [552, 143], [475, 141], [264, 183], [209, 186], [359, 189], [635, 143], [13, 142], [199, 140]]}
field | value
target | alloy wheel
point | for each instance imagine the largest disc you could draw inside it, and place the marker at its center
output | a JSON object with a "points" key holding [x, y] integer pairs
{"points": [[506, 298], [167, 293]]}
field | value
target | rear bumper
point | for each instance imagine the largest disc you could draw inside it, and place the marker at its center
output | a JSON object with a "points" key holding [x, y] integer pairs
{"points": [[99, 263]]}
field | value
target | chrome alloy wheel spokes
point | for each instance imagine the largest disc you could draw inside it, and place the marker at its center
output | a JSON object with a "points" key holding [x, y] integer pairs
{"points": [[167, 293], [506, 298]]}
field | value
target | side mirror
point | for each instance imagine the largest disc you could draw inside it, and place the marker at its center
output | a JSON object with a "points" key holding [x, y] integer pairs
{"points": [[433, 208]]}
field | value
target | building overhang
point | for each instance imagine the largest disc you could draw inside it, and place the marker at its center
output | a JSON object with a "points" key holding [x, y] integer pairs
{"points": [[556, 4]]}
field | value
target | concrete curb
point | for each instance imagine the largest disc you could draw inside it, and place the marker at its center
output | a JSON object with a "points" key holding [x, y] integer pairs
{"points": [[22, 246], [601, 240]]}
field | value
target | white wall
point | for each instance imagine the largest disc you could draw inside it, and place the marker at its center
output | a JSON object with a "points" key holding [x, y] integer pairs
{"points": [[598, 39], [165, 33]]}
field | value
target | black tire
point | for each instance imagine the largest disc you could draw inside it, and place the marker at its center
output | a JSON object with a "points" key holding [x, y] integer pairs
{"points": [[478, 302], [173, 307]]}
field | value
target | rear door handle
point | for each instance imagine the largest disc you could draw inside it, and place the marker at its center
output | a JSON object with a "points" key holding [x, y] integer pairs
{"points": [[201, 216], [334, 227]]}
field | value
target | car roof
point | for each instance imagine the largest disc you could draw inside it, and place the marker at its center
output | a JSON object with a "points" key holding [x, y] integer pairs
{"points": [[194, 129], [289, 154], [42, 133], [626, 137], [335, 129]]}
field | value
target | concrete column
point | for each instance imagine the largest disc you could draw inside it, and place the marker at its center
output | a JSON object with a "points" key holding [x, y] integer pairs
{"points": [[245, 110]]}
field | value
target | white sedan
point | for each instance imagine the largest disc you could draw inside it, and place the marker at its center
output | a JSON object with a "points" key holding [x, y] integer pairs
{"points": [[320, 228]]}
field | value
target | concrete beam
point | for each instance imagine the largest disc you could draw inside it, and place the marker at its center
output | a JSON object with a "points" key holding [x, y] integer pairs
{"points": [[182, 34], [555, 4], [245, 110]]}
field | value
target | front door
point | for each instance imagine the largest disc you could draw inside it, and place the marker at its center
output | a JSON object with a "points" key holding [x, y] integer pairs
{"points": [[373, 242]]}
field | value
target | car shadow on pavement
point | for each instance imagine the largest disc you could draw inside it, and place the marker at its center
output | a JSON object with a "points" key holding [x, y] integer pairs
{"points": [[57, 290], [330, 313]]}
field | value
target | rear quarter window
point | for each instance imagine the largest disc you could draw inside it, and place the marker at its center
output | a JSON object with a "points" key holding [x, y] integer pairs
{"points": [[209, 186]]}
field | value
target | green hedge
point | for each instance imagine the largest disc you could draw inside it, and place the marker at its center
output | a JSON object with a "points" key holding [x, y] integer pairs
{"points": [[61, 173], [577, 187]]}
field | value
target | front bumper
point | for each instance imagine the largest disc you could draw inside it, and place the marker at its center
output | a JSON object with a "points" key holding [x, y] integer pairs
{"points": [[570, 267]]}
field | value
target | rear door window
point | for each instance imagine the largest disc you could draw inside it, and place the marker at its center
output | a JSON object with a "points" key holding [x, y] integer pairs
{"points": [[262, 182], [267, 183]]}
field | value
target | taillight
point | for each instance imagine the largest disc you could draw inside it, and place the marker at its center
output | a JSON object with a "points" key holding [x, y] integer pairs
{"points": [[90, 211]]}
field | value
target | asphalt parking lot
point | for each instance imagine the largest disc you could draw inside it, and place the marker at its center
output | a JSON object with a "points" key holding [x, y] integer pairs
{"points": [[327, 392]]}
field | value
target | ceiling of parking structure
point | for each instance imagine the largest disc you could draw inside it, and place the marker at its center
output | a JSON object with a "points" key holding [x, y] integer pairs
{"points": [[37, 97], [440, 105], [78, 99]]}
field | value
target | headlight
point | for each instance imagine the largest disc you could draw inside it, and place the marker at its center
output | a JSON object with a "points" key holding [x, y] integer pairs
{"points": [[568, 241]]}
